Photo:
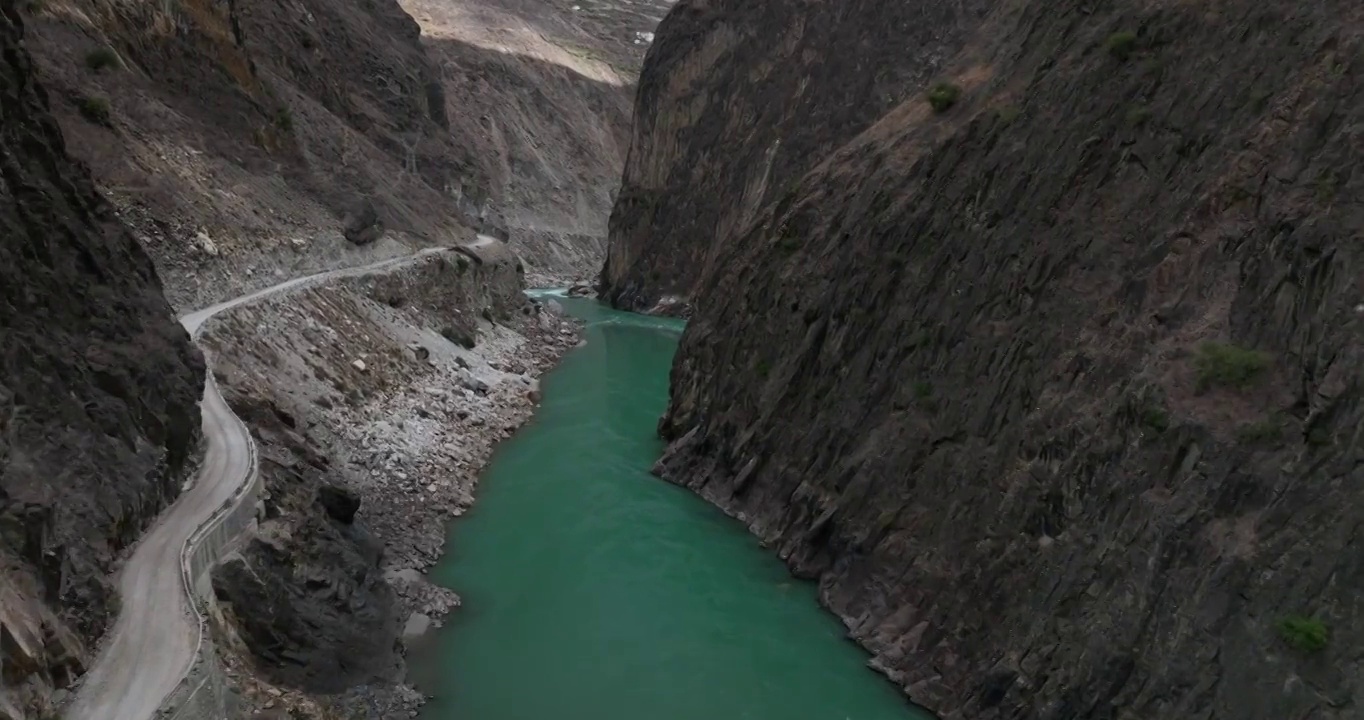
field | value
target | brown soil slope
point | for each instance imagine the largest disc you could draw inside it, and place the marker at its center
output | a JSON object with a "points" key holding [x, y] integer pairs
{"points": [[98, 395], [1058, 392]]}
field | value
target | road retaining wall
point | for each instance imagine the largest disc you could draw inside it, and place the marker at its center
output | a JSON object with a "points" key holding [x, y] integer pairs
{"points": [[203, 693]]}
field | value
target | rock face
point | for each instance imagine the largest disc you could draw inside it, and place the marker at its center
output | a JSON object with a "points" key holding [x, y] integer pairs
{"points": [[263, 125], [1056, 391], [313, 606], [98, 393], [736, 102], [307, 593]]}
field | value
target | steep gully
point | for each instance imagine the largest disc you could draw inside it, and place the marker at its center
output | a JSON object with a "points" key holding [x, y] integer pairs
{"points": [[154, 641]]}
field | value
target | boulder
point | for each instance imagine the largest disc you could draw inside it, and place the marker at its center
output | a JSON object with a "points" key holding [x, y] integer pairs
{"points": [[341, 504], [363, 225]]}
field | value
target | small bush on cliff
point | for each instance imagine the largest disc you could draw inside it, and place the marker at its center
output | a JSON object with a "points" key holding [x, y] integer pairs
{"points": [[943, 95], [1228, 365], [1121, 45], [1303, 633], [94, 109], [101, 58], [1155, 418], [1266, 431]]}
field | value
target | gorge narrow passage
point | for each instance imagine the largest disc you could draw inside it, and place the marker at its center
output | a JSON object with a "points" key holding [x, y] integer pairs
{"points": [[595, 591]]}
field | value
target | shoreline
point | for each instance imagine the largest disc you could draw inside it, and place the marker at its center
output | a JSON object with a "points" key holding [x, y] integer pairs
{"points": [[410, 440]]}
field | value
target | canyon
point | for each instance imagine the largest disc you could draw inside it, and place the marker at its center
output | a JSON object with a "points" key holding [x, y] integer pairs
{"points": [[1029, 333], [1046, 365]]}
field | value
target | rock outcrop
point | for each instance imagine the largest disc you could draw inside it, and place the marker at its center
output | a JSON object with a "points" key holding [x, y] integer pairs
{"points": [[99, 388], [1055, 387], [736, 102]]}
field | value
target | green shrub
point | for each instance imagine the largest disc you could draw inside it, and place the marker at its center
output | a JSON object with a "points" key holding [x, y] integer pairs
{"points": [[1228, 365], [1265, 431], [101, 58], [1138, 116], [284, 120], [923, 389], [1121, 45], [1155, 418], [94, 109], [1303, 633], [943, 95], [1006, 114], [1326, 186]]}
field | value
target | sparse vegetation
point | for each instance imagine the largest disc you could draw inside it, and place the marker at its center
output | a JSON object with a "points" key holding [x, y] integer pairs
{"points": [[1138, 116], [1303, 633], [1326, 185], [764, 368], [1265, 431], [284, 119], [1007, 114], [1227, 365], [1155, 418], [943, 96], [923, 393], [102, 58], [1121, 45], [94, 109]]}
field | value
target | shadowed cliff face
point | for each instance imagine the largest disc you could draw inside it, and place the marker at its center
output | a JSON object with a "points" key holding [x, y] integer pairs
{"points": [[1058, 392], [738, 100], [98, 393]]}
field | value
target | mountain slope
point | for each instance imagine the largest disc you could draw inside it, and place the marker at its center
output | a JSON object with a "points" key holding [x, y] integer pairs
{"points": [[98, 394], [1058, 391], [249, 140], [736, 102]]}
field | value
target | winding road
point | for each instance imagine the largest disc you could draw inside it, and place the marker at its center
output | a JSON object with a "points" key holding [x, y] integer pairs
{"points": [[156, 637]]}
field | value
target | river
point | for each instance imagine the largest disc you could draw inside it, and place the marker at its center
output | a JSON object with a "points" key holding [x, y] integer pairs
{"points": [[595, 591]]}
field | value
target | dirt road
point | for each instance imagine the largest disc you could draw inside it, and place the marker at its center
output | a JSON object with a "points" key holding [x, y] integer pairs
{"points": [[156, 636]]}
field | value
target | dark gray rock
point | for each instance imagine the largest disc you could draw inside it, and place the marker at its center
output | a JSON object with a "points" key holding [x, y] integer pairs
{"points": [[340, 503], [957, 371], [363, 224], [99, 385], [314, 608]]}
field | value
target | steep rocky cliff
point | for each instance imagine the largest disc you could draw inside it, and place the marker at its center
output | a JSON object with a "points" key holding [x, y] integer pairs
{"points": [[1056, 386], [735, 102], [98, 394], [247, 139]]}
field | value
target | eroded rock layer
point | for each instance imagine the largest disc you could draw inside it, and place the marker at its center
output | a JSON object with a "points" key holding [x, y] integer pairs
{"points": [[1056, 387]]}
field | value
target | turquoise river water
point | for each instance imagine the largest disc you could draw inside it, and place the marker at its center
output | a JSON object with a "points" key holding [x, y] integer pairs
{"points": [[595, 591]]}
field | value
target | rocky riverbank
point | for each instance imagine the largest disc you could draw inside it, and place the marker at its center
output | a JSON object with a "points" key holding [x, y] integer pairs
{"points": [[375, 403]]}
